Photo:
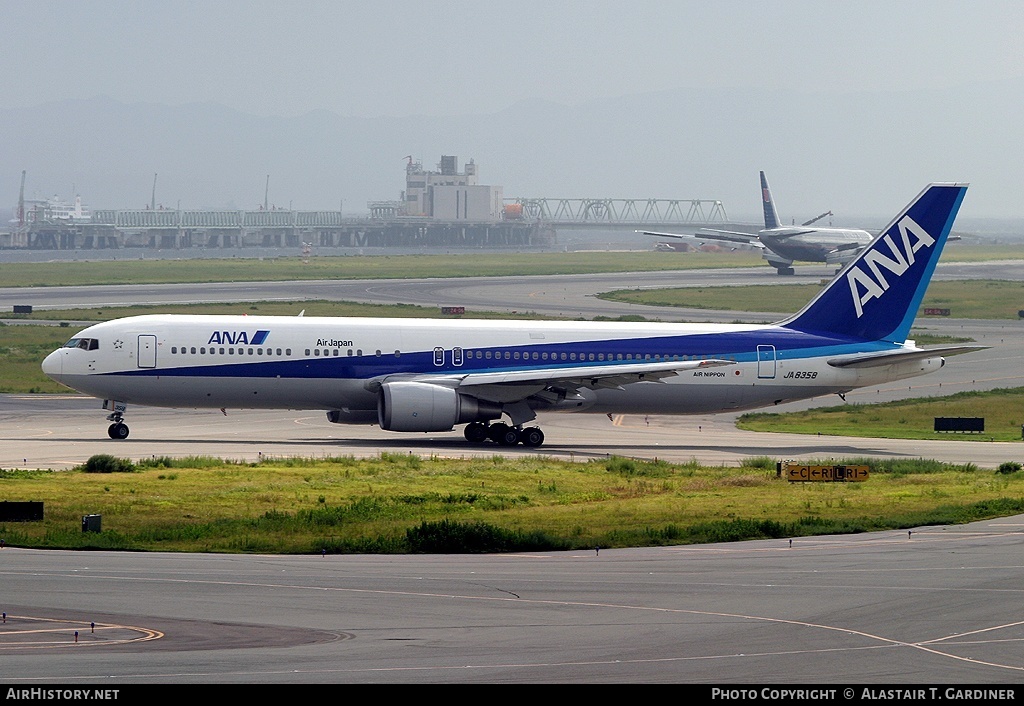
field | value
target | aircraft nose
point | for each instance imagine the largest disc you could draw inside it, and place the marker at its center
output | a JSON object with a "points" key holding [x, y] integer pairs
{"points": [[53, 364]]}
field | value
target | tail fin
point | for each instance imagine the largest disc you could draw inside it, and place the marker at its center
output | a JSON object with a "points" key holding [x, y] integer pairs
{"points": [[771, 218], [877, 295]]}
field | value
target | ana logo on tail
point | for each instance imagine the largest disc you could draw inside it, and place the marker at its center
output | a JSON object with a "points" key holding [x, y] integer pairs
{"points": [[865, 286]]}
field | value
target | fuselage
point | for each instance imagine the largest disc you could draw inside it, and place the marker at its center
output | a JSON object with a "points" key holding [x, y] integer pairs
{"points": [[814, 244], [332, 363]]}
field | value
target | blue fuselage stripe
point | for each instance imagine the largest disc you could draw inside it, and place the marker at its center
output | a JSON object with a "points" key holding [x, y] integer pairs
{"points": [[738, 346]]}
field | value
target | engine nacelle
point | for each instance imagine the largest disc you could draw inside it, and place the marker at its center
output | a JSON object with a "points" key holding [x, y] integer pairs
{"points": [[420, 406]]}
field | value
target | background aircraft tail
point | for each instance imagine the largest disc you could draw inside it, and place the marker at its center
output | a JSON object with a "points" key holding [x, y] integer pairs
{"points": [[771, 217], [877, 295]]}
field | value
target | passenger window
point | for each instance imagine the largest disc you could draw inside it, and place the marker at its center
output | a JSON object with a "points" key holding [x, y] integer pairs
{"points": [[174, 349]]}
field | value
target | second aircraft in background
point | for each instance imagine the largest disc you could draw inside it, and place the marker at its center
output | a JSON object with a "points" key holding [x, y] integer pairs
{"points": [[783, 245]]}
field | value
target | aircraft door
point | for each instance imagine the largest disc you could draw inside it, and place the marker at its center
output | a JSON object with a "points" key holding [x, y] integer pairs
{"points": [[766, 362], [147, 351]]}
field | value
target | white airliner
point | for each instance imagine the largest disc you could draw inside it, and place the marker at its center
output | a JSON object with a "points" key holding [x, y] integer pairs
{"points": [[782, 245], [427, 375]]}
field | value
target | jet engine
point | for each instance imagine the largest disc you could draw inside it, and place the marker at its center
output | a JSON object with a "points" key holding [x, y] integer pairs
{"points": [[420, 406]]}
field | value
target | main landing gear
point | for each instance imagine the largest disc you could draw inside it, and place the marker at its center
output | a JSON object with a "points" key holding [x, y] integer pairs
{"points": [[504, 434], [117, 430]]}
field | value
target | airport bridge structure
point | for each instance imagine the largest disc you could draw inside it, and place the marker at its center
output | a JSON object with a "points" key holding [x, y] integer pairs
{"points": [[524, 222]]}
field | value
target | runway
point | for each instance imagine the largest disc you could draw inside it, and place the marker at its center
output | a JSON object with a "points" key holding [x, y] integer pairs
{"points": [[938, 605]]}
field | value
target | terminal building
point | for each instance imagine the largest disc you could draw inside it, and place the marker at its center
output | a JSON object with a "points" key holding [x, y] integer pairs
{"points": [[446, 194]]}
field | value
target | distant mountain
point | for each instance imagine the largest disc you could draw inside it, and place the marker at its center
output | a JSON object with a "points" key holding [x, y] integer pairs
{"points": [[862, 155]]}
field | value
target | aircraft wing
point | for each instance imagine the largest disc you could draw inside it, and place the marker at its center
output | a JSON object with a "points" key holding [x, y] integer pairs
{"points": [[501, 385], [679, 236], [789, 233], [591, 376], [729, 236], [816, 219], [873, 360]]}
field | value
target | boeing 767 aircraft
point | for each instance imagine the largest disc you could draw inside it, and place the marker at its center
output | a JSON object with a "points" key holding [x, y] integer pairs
{"points": [[782, 245], [427, 375]]}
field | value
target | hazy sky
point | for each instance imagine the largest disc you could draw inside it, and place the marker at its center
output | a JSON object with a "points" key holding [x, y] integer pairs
{"points": [[442, 57]]}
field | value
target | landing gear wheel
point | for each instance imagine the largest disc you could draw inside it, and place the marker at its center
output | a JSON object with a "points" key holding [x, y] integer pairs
{"points": [[476, 432], [532, 437], [786, 271], [118, 430], [496, 431], [509, 437]]}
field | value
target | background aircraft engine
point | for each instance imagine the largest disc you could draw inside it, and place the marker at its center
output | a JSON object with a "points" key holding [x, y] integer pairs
{"points": [[420, 406]]}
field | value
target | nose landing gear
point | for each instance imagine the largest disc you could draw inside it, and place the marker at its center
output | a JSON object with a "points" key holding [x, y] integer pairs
{"points": [[118, 430]]}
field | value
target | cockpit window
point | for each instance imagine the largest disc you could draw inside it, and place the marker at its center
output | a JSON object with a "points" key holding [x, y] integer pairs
{"points": [[86, 344]]}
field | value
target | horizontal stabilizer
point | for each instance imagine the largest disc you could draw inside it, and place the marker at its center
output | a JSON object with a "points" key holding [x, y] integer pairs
{"points": [[873, 360]]}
